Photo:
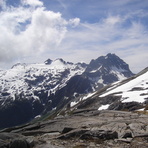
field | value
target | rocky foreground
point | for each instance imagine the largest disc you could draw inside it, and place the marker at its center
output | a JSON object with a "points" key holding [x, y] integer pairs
{"points": [[87, 128]]}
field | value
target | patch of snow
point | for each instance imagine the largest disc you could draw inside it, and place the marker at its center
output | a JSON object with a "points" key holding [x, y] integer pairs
{"points": [[38, 116], [129, 85], [133, 96], [87, 96], [100, 80], [93, 71], [15, 80], [142, 109], [129, 95], [118, 74], [36, 97], [103, 107], [54, 108], [106, 57], [73, 104], [75, 94], [121, 77], [66, 98]]}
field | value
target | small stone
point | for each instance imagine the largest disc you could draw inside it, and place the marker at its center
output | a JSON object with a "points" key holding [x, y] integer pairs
{"points": [[66, 130], [81, 141], [92, 144]]}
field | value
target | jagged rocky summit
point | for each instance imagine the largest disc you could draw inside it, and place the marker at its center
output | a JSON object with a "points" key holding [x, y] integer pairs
{"points": [[29, 90]]}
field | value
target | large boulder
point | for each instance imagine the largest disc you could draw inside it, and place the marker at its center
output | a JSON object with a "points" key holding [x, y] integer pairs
{"points": [[19, 143]]}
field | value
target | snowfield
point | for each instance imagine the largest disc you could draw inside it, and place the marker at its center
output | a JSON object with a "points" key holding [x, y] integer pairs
{"points": [[134, 90], [54, 75]]}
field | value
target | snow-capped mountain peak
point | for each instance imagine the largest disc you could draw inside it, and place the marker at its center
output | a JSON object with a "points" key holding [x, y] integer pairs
{"points": [[59, 63], [107, 69], [40, 87]]}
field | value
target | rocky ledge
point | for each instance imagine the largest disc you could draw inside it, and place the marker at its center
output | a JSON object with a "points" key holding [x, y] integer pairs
{"points": [[84, 128]]}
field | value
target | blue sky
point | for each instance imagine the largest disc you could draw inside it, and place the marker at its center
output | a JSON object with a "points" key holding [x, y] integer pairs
{"points": [[75, 30]]}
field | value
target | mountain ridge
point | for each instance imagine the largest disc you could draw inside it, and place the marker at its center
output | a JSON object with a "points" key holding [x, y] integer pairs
{"points": [[46, 86]]}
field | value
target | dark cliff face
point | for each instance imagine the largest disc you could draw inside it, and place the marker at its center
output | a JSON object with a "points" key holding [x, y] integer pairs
{"points": [[108, 68], [109, 62], [48, 61], [46, 89]]}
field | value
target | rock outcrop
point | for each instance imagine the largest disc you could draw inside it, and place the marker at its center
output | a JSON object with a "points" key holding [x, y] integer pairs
{"points": [[81, 128]]}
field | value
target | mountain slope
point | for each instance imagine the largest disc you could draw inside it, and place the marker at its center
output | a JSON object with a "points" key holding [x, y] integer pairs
{"points": [[133, 90], [28, 90], [130, 94]]}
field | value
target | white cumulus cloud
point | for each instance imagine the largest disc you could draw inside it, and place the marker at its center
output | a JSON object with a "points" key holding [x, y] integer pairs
{"points": [[32, 2], [75, 22], [30, 31]]}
